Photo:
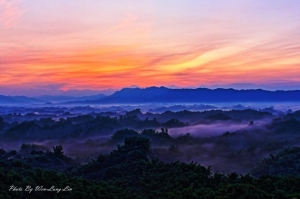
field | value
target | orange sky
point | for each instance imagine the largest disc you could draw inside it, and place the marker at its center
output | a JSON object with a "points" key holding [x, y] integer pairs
{"points": [[107, 44]]}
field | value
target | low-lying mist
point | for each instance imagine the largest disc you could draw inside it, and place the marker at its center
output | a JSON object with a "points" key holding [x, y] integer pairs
{"points": [[207, 130], [230, 140]]}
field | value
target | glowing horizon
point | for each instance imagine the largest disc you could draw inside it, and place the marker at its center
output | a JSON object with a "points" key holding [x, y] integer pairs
{"points": [[110, 45]]}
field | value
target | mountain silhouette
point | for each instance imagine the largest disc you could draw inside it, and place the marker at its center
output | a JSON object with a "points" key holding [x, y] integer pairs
{"points": [[167, 95]]}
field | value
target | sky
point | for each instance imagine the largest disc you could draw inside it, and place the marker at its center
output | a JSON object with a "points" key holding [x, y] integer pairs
{"points": [[52, 46]]}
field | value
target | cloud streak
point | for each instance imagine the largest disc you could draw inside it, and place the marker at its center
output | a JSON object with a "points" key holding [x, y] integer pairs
{"points": [[141, 44]]}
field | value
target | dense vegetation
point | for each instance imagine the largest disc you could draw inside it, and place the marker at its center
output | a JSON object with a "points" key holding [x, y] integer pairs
{"points": [[286, 162], [128, 172], [258, 160], [84, 126]]}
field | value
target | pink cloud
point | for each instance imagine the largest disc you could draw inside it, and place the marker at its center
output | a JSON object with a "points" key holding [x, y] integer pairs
{"points": [[9, 12]]}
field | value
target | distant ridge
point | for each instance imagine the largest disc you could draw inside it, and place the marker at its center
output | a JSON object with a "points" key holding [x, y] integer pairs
{"points": [[72, 99], [18, 100], [8, 100], [14, 100], [167, 95]]}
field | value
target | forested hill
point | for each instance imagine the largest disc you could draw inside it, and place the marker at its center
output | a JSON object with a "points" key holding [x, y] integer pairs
{"points": [[166, 95], [129, 173]]}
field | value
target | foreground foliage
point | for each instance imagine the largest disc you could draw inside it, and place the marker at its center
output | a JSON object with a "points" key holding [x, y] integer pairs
{"points": [[128, 172], [286, 162]]}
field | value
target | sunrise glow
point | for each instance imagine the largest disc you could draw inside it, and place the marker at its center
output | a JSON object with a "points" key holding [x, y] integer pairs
{"points": [[97, 44]]}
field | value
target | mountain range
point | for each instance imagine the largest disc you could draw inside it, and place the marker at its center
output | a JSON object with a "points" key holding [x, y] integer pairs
{"points": [[46, 99], [165, 95]]}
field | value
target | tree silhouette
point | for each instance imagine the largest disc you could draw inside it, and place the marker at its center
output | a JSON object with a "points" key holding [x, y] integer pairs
{"points": [[58, 150]]}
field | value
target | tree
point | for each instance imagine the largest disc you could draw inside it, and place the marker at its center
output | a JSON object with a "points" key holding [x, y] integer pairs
{"points": [[136, 143], [120, 135], [58, 150], [1, 123]]}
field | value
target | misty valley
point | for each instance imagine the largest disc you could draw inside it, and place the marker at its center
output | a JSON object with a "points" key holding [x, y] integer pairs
{"points": [[150, 151]]}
